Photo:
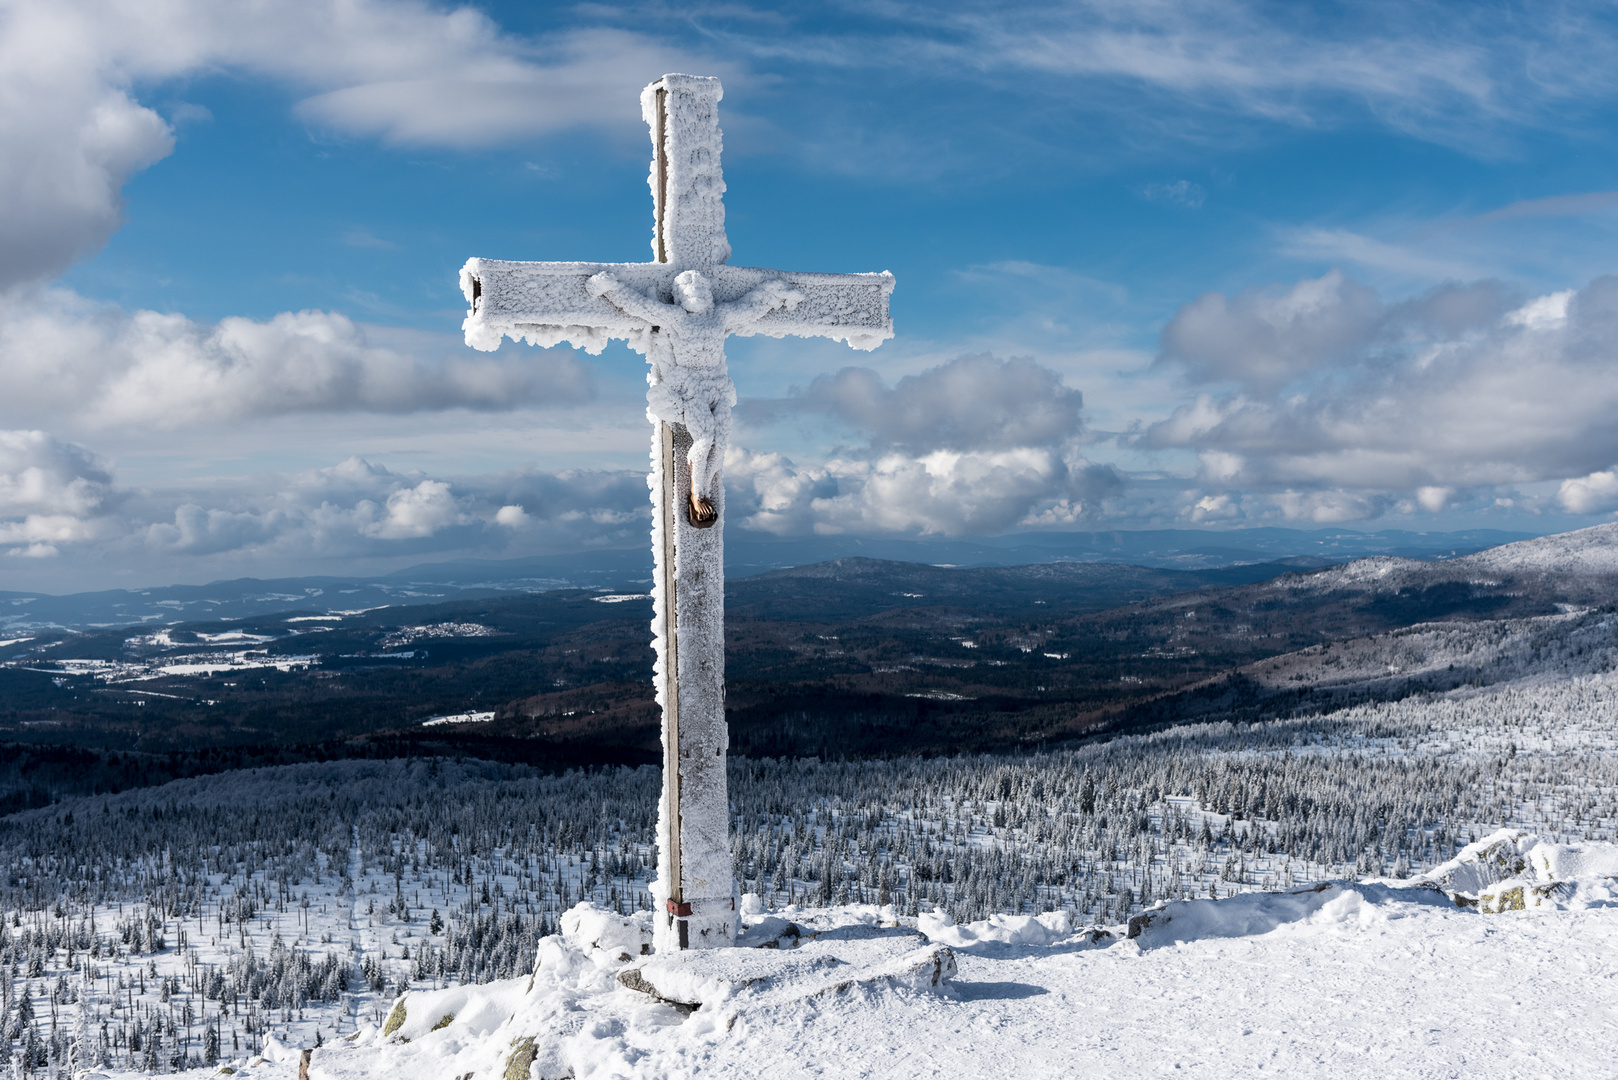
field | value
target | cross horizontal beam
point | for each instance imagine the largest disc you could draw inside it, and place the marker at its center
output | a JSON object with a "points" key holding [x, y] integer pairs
{"points": [[548, 303]]}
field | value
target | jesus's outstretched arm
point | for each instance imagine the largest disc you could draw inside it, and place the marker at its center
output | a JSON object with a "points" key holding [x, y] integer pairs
{"points": [[629, 301], [762, 300]]}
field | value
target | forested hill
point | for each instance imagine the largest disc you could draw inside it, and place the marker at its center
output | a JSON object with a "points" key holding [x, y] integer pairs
{"points": [[855, 657], [861, 587]]}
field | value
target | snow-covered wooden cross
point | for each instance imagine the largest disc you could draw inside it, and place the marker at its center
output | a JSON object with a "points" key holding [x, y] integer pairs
{"points": [[678, 310]]}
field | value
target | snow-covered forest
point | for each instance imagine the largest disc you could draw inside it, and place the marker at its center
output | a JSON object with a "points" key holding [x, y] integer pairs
{"points": [[179, 925]]}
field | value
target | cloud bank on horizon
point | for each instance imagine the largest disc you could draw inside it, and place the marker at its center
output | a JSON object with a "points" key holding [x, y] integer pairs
{"points": [[1182, 282]]}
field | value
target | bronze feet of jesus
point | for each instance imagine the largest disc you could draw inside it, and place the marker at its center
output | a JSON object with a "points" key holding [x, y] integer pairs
{"points": [[702, 515]]}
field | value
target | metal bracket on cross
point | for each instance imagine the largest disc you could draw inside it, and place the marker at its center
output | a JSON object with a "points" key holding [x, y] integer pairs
{"points": [[678, 310]]}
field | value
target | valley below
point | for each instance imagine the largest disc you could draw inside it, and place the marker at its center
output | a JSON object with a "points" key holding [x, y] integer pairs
{"points": [[855, 657]]}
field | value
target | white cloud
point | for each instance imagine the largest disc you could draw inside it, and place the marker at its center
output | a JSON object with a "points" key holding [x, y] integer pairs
{"points": [[1220, 466], [1214, 508], [1433, 498], [70, 143], [51, 494], [973, 445], [418, 73], [1265, 338], [359, 511], [1592, 494], [196, 530], [1543, 312], [1576, 205], [969, 403], [403, 70], [416, 512], [59, 499], [488, 88], [361, 238], [1063, 513], [1344, 401], [100, 366], [942, 492]]}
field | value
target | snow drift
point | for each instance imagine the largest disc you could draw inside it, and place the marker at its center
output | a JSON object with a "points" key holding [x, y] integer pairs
{"points": [[586, 1012]]}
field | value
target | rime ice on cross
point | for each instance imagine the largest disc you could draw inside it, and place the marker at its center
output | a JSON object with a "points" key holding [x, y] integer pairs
{"points": [[678, 310]]}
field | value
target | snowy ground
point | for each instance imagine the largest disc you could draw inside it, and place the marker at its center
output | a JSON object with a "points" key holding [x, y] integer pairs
{"points": [[1437, 976], [1349, 980], [285, 907]]}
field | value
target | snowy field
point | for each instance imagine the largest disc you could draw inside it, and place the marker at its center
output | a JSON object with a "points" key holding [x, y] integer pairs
{"points": [[220, 920], [1350, 981]]}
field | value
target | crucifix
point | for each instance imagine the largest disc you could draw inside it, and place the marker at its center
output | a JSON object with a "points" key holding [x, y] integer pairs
{"points": [[678, 310]]}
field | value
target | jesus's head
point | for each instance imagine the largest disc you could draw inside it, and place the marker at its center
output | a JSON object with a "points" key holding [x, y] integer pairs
{"points": [[693, 292]]}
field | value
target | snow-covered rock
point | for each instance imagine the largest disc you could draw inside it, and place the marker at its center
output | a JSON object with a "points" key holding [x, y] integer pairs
{"points": [[1514, 870], [1328, 904], [602, 935], [1046, 929], [814, 963]]}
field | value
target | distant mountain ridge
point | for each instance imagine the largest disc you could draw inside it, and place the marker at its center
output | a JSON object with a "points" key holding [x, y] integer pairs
{"points": [[847, 587], [1592, 551], [747, 554], [1390, 628], [1579, 566]]}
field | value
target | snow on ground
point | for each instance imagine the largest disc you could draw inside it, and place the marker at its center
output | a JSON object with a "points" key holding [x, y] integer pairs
{"points": [[1378, 979], [1588, 554], [212, 662], [1590, 551], [176, 910], [170, 886]]}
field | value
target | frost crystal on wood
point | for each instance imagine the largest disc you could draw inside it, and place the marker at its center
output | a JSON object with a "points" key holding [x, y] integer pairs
{"points": [[678, 310]]}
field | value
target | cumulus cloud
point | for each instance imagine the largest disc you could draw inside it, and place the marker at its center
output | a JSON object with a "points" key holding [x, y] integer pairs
{"points": [[970, 403], [51, 494], [415, 512], [61, 354], [198, 530], [360, 509], [1591, 494], [1265, 338], [63, 172], [944, 492], [1333, 400], [403, 70], [974, 445], [58, 498]]}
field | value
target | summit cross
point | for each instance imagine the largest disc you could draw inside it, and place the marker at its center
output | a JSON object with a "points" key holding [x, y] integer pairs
{"points": [[678, 310]]}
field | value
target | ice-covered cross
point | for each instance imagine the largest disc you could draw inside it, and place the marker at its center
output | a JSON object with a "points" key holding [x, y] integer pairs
{"points": [[678, 310]]}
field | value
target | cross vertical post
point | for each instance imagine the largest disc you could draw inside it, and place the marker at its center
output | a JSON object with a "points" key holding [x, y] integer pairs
{"points": [[664, 562], [669, 815], [678, 310], [694, 819]]}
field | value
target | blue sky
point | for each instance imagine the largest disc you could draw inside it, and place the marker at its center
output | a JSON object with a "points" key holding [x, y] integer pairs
{"points": [[1306, 264]]}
